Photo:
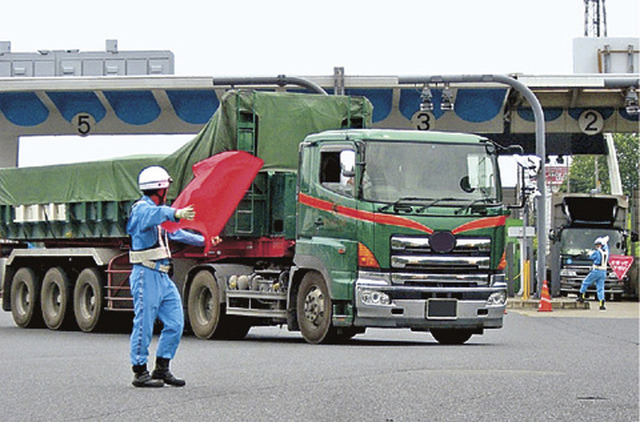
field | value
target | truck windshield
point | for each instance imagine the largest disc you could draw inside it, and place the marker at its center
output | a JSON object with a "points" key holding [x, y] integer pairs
{"points": [[447, 173], [579, 240]]}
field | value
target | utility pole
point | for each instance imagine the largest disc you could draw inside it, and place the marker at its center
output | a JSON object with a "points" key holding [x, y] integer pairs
{"points": [[595, 18]]}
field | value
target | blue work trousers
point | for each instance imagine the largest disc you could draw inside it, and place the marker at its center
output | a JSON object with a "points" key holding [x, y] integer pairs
{"points": [[595, 276], [154, 296]]}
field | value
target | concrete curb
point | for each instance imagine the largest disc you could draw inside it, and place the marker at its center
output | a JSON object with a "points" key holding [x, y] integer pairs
{"points": [[556, 304], [571, 309]]}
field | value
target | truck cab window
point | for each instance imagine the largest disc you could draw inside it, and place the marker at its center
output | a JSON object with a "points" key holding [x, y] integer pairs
{"points": [[336, 171]]}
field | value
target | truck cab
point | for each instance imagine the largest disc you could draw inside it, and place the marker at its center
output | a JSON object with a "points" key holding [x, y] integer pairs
{"points": [[578, 220], [406, 229]]}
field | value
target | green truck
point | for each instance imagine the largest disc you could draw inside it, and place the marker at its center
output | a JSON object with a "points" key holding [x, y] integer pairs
{"points": [[344, 228]]}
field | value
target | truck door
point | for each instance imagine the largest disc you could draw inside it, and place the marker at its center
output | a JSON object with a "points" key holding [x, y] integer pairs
{"points": [[329, 197], [327, 205]]}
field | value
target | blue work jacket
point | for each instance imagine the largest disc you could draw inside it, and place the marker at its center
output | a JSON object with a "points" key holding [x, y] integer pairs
{"points": [[143, 224]]}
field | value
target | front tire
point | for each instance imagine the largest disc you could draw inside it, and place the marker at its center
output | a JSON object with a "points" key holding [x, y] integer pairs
{"points": [[451, 336], [25, 299], [88, 299], [56, 299], [313, 308]]}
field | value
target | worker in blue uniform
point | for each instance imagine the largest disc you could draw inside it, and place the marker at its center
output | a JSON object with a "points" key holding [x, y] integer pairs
{"points": [[598, 273], [155, 296]]}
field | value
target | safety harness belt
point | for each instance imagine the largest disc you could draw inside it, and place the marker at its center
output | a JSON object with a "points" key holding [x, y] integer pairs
{"points": [[148, 257], [604, 256]]}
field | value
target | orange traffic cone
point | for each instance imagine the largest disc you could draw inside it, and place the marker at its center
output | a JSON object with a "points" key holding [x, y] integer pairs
{"points": [[545, 299]]}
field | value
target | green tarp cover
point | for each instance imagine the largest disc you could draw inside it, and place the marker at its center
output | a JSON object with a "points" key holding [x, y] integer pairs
{"points": [[284, 119]]}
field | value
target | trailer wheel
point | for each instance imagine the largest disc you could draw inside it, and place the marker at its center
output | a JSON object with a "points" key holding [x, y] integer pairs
{"points": [[25, 299], [314, 309], [451, 336], [56, 299], [88, 299], [203, 305]]}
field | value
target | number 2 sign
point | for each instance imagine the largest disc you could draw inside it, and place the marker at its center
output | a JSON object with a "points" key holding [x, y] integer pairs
{"points": [[591, 122]]}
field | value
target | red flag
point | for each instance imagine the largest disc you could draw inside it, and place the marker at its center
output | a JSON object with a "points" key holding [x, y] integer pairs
{"points": [[620, 264], [218, 185]]}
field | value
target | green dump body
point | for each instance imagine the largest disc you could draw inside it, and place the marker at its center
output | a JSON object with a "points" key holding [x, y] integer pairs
{"points": [[92, 200]]}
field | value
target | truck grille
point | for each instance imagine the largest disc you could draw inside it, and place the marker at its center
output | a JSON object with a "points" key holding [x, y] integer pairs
{"points": [[581, 271], [440, 280], [417, 253]]}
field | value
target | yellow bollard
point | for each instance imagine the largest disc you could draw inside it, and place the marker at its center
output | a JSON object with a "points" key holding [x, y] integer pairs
{"points": [[526, 282]]}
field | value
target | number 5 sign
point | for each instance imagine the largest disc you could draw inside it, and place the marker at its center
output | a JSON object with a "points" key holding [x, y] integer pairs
{"points": [[84, 123]]}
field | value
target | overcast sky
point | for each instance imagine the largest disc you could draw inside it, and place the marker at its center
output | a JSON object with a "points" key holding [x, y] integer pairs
{"points": [[271, 37]]}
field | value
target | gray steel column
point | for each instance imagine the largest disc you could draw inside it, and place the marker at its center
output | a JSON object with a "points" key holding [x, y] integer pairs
{"points": [[612, 163], [538, 114], [9, 148]]}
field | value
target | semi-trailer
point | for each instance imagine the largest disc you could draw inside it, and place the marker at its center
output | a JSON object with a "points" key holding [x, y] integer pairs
{"points": [[344, 228]]}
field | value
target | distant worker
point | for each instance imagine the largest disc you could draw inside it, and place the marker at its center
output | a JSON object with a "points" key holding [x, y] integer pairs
{"points": [[598, 273], [155, 296]]}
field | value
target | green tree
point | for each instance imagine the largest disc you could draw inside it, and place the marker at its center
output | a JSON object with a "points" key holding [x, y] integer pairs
{"points": [[582, 173]]}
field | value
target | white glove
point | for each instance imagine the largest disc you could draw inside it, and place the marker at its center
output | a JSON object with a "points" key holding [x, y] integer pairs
{"points": [[186, 213]]}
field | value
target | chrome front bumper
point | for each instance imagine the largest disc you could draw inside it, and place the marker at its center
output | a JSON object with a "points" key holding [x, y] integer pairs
{"points": [[381, 304], [571, 278]]}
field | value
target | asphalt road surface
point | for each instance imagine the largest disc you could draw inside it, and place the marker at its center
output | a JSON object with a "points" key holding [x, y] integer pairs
{"points": [[556, 367]]}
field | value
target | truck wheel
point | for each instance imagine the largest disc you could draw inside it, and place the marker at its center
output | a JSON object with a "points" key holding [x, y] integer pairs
{"points": [[451, 336], [203, 305], [313, 307], [55, 299], [88, 299], [25, 299]]}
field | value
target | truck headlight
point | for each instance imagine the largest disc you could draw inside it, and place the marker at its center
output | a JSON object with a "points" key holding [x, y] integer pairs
{"points": [[497, 298], [374, 297], [565, 272]]}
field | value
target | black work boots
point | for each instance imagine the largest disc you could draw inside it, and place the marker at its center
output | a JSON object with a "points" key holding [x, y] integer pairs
{"points": [[163, 373], [141, 377], [158, 378]]}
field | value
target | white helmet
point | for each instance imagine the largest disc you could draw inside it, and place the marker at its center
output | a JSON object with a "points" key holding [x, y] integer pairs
{"points": [[602, 240], [153, 177]]}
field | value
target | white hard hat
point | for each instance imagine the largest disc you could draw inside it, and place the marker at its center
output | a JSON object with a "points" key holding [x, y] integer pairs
{"points": [[154, 177], [602, 240]]}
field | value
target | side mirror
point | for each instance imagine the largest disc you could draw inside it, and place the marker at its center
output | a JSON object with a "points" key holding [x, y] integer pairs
{"points": [[465, 185], [553, 235], [634, 237], [348, 163], [522, 194]]}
